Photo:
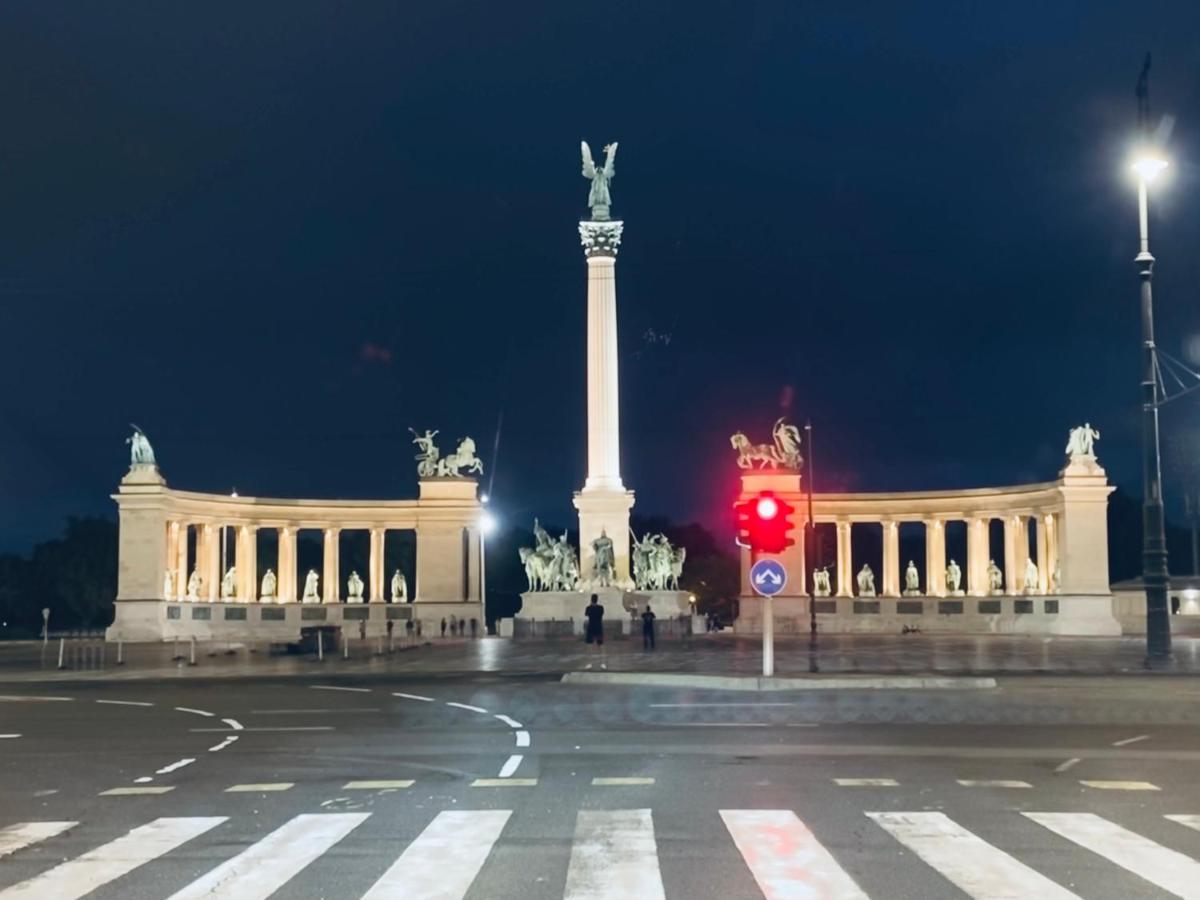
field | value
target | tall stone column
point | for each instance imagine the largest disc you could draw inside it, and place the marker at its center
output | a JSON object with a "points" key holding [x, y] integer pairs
{"points": [[935, 558], [1022, 555], [1052, 565], [891, 559], [1043, 555], [330, 587], [845, 562], [182, 572], [1011, 524], [172, 559], [977, 548], [210, 587], [247, 563], [603, 503], [286, 576], [375, 591]]}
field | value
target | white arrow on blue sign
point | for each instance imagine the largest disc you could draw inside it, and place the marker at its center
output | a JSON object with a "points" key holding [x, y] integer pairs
{"points": [[767, 577]]}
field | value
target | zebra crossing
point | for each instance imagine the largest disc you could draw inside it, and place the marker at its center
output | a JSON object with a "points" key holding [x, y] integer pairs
{"points": [[614, 853]]}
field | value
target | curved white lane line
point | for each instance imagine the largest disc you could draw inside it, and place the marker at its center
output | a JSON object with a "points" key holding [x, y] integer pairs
{"points": [[412, 697], [234, 724], [175, 765], [467, 706], [225, 743], [511, 723], [522, 738], [511, 765], [124, 702], [334, 687], [195, 712]]}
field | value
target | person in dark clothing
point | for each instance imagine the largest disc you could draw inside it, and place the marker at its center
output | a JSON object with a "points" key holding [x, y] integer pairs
{"points": [[593, 629], [648, 618], [474, 627], [443, 626]]}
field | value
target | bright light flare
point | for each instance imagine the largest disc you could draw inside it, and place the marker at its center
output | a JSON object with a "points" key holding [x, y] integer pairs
{"points": [[487, 522], [1148, 165], [767, 508]]}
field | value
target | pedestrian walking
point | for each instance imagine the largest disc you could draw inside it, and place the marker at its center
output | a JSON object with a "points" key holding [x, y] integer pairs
{"points": [[391, 625], [648, 618], [474, 628], [593, 630], [443, 626], [362, 629], [408, 627]]}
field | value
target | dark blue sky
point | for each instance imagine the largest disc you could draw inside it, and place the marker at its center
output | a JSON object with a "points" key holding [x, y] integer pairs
{"points": [[278, 234]]}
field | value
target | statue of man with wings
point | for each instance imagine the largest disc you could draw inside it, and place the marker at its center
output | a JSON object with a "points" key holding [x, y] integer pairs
{"points": [[599, 198]]}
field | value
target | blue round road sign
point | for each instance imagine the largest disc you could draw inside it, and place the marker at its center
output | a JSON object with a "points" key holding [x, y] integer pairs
{"points": [[767, 577]]}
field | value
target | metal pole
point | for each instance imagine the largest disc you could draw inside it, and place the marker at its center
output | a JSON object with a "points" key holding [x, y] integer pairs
{"points": [[192, 655], [1155, 576], [61, 647], [320, 647], [810, 544], [120, 652], [345, 646], [483, 579], [768, 637]]}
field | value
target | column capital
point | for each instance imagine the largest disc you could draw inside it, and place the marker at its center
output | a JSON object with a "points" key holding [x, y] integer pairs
{"points": [[601, 239]]}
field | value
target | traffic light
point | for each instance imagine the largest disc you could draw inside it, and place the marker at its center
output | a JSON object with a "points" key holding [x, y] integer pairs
{"points": [[764, 522]]}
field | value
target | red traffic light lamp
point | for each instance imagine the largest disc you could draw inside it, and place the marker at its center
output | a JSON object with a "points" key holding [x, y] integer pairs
{"points": [[764, 522]]}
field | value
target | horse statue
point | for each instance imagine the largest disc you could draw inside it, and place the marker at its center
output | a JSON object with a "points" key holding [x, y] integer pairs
{"points": [[462, 458], [678, 555], [783, 453], [749, 453]]}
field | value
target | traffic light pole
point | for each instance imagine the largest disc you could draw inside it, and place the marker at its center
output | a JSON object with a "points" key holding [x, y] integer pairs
{"points": [[810, 545], [768, 630]]}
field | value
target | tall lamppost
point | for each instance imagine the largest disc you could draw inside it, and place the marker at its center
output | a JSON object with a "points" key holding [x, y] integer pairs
{"points": [[487, 524], [1147, 166]]}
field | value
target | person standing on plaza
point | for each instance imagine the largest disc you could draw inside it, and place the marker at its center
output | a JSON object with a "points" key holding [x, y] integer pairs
{"points": [[593, 629], [648, 618]]}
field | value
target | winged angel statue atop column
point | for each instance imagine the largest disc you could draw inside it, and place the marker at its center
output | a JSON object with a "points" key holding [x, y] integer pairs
{"points": [[599, 199]]}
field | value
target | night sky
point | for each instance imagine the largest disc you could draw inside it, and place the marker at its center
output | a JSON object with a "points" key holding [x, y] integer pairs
{"points": [[276, 235]]}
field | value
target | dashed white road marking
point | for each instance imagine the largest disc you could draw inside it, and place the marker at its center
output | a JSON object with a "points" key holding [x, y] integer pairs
{"points": [[511, 723], [17, 837], [693, 705], [265, 728], [174, 766], [614, 857], [8, 737], [133, 792], [978, 869], [620, 782], [511, 765], [522, 738], [124, 703], [504, 782], [334, 687], [711, 724], [1168, 869], [32, 698], [145, 779], [1192, 822], [260, 788], [467, 706], [1132, 740], [412, 697], [233, 723], [445, 859], [314, 710], [195, 712], [82, 875], [997, 783], [785, 858], [379, 785], [225, 743], [263, 868], [1063, 766], [866, 782], [1121, 785]]}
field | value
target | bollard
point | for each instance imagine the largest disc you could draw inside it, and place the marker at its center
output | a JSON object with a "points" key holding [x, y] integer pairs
{"points": [[320, 648], [380, 646], [61, 647], [345, 647], [120, 653], [192, 658], [391, 646]]}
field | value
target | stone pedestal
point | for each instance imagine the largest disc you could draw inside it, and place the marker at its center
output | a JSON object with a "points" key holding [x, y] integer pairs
{"points": [[607, 511]]}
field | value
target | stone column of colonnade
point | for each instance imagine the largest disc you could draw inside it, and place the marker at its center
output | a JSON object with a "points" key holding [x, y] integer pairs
{"points": [[330, 588], [246, 560], [891, 559], [845, 563], [209, 562], [375, 573], [286, 562], [935, 558], [977, 556]]}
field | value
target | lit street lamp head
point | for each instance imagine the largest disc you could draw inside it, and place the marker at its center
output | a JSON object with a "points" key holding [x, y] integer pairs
{"points": [[1148, 165]]}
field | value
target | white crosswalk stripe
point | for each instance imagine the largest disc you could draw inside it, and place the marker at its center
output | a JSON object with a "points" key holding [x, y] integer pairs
{"points": [[1161, 866], [18, 837], [614, 857], [261, 869], [978, 869], [443, 861], [784, 857], [84, 874]]}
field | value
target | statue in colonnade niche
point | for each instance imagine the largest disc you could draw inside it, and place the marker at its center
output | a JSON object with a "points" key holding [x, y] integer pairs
{"points": [[1081, 442], [311, 581], [269, 585], [1056, 579], [866, 582], [1031, 577], [140, 451], [821, 586], [995, 578], [229, 584], [912, 581], [954, 579], [399, 587], [193, 585], [168, 584], [354, 588]]}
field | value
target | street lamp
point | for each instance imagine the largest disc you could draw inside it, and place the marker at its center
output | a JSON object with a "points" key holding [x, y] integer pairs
{"points": [[487, 525], [1147, 165]]}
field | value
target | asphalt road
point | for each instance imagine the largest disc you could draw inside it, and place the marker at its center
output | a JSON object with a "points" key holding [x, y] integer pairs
{"points": [[493, 786]]}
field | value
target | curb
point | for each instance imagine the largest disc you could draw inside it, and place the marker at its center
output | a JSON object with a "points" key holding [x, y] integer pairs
{"points": [[757, 683]]}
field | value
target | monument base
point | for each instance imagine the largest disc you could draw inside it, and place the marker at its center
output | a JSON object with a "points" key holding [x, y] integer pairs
{"points": [[565, 609]]}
